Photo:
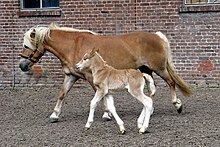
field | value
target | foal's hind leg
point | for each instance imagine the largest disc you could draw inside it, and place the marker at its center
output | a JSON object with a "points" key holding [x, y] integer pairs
{"points": [[137, 92], [111, 107], [68, 83], [149, 79], [107, 114], [144, 118], [140, 120]]}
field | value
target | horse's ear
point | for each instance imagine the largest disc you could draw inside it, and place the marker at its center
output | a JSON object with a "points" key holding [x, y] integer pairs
{"points": [[32, 35]]}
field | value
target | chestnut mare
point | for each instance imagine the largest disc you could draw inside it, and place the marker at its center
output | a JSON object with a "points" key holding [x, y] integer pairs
{"points": [[150, 52]]}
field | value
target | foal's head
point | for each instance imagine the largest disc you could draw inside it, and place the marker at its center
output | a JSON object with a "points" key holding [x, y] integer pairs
{"points": [[89, 60]]}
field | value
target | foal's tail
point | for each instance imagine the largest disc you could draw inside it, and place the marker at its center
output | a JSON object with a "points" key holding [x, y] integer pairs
{"points": [[184, 88], [151, 84]]}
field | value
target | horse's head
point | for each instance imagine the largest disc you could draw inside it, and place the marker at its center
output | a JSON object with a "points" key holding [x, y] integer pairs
{"points": [[86, 60], [32, 49]]}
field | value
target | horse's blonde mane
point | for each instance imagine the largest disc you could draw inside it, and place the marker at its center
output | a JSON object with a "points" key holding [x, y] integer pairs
{"points": [[55, 27], [43, 32]]}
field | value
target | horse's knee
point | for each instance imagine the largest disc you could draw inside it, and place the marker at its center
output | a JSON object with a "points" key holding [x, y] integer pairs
{"points": [[93, 104]]}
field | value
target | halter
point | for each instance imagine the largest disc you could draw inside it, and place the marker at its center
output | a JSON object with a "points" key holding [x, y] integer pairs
{"points": [[32, 55]]}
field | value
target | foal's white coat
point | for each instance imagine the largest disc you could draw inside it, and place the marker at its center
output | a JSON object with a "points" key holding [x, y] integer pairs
{"points": [[106, 77]]}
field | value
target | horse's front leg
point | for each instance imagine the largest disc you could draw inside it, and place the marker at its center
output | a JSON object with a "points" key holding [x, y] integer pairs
{"points": [[69, 80]]}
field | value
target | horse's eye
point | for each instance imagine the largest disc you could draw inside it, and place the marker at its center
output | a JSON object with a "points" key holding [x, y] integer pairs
{"points": [[25, 46]]}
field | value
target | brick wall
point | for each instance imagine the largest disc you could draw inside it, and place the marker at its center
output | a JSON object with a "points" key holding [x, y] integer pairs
{"points": [[193, 31]]}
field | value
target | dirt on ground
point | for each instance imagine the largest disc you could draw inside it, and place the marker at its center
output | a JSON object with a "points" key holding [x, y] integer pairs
{"points": [[25, 119]]}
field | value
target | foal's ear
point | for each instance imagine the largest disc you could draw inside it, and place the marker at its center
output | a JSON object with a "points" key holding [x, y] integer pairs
{"points": [[32, 35], [97, 50], [93, 51]]}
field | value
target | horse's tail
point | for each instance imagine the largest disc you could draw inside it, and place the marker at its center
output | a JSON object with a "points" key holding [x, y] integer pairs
{"points": [[184, 88]]}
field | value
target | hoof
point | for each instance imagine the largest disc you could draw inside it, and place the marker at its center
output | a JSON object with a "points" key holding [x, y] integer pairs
{"points": [[140, 132], [180, 109], [139, 125], [122, 129], [123, 132], [106, 119], [53, 120], [107, 116], [86, 128]]}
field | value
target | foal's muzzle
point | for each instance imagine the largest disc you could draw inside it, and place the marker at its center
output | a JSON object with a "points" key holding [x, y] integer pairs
{"points": [[25, 65], [78, 66]]}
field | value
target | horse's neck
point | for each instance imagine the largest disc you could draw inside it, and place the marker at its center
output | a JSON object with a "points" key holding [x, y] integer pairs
{"points": [[60, 53], [59, 45]]}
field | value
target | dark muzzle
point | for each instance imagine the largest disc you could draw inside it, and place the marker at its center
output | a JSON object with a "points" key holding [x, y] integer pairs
{"points": [[25, 65]]}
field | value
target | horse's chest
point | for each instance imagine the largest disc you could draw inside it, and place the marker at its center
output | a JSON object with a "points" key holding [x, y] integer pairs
{"points": [[66, 70]]}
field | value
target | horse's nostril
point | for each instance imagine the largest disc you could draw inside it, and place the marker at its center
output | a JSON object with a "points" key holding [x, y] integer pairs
{"points": [[24, 65]]}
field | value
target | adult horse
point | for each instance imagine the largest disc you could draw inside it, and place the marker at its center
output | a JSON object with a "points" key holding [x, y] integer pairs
{"points": [[150, 52]]}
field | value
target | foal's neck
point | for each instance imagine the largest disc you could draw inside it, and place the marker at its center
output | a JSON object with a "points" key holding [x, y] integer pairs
{"points": [[97, 65]]}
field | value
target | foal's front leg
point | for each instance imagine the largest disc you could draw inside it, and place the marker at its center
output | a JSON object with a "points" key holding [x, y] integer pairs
{"points": [[68, 83], [107, 115], [98, 96]]}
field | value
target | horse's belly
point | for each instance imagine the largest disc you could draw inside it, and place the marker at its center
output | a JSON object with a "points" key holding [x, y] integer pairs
{"points": [[121, 60]]}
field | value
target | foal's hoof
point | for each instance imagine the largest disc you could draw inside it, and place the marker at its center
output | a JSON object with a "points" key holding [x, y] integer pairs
{"points": [[140, 132], [53, 120], [87, 128], [180, 109], [107, 116]]}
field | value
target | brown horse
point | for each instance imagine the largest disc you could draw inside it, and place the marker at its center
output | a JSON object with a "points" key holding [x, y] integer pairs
{"points": [[106, 77], [150, 52]]}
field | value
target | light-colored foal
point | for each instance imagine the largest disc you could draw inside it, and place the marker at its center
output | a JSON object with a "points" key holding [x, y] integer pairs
{"points": [[106, 77]]}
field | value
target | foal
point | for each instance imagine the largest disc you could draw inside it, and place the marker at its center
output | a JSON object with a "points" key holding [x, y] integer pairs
{"points": [[106, 77]]}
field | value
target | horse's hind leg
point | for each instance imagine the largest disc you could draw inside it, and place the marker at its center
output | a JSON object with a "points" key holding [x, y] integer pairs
{"points": [[176, 102], [68, 83]]}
